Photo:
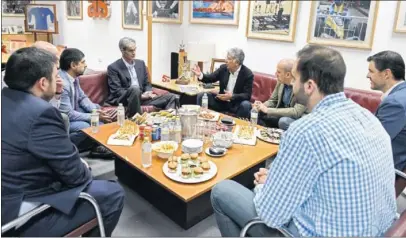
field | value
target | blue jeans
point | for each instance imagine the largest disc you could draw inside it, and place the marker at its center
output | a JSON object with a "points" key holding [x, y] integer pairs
{"points": [[233, 206], [284, 122]]}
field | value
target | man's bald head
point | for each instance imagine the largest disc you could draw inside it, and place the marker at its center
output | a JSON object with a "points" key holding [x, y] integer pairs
{"points": [[284, 70], [48, 47]]}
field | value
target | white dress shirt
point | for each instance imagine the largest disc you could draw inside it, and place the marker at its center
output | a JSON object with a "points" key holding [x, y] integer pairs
{"points": [[231, 80], [133, 73], [390, 90]]}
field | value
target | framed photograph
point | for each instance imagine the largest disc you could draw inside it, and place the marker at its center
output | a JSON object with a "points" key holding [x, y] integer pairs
{"points": [[131, 14], [166, 11], [215, 12], [13, 8], [74, 9], [41, 18], [272, 20], [4, 30], [343, 23], [400, 18], [216, 63]]}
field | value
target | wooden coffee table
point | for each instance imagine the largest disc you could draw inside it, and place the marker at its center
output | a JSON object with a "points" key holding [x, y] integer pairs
{"points": [[185, 97], [186, 204]]}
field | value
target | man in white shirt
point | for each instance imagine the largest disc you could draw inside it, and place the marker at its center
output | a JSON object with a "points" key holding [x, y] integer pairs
{"points": [[235, 85]]}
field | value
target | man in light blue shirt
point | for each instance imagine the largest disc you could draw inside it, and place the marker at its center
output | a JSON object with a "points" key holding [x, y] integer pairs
{"points": [[334, 173]]}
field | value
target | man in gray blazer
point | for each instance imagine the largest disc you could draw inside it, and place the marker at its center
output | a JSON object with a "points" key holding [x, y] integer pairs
{"points": [[129, 84], [76, 104]]}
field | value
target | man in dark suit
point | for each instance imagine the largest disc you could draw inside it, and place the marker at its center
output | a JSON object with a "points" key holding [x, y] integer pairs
{"points": [[235, 85], [129, 84], [40, 165], [387, 74]]}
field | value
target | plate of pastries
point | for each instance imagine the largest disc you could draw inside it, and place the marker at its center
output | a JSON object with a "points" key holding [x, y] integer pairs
{"points": [[209, 115], [270, 135], [125, 135], [189, 168]]}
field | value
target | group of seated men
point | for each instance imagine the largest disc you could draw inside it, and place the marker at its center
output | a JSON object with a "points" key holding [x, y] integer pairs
{"points": [[333, 175]]}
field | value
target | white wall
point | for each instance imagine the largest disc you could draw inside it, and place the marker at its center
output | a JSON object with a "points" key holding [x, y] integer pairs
{"points": [[263, 55], [99, 40]]}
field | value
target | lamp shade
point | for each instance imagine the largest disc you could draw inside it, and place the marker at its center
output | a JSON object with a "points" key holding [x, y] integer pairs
{"points": [[202, 52]]}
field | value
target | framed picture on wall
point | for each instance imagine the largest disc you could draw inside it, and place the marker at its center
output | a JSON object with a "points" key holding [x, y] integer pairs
{"points": [[131, 14], [74, 9], [216, 63], [41, 18], [343, 23], [166, 11], [272, 20], [13, 8], [214, 12], [400, 18]]}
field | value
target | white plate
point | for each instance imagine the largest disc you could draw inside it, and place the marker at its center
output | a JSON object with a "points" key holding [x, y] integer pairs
{"points": [[208, 153], [238, 140], [266, 139], [178, 178], [112, 141], [215, 118], [163, 155]]}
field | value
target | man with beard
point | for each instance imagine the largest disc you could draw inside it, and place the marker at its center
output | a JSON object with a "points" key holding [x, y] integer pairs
{"points": [[40, 165], [76, 104], [387, 74], [333, 175]]}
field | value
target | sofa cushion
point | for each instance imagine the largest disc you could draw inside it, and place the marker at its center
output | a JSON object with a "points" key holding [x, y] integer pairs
{"points": [[95, 86], [263, 86], [367, 99]]}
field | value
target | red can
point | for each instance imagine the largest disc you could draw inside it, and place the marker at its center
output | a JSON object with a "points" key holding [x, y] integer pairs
{"points": [[147, 132], [142, 131]]}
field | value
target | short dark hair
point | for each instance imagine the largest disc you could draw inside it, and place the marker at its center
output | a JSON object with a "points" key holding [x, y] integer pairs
{"points": [[28, 65], [68, 56], [389, 60], [324, 65]]}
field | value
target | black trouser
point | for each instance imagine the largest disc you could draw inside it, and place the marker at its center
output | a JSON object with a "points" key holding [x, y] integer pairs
{"points": [[268, 121], [241, 108], [132, 100]]}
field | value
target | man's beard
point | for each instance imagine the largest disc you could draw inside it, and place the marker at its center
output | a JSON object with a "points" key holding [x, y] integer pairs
{"points": [[301, 97], [47, 96]]}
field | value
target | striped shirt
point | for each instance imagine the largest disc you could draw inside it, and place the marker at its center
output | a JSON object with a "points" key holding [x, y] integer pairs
{"points": [[334, 174]]}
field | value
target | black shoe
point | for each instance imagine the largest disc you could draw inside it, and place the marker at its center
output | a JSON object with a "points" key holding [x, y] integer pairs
{"points": [[101, 152]]}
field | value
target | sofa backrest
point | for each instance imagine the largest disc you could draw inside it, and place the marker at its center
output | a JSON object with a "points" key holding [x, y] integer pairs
{"points": [[263, 86], [95, 86]]}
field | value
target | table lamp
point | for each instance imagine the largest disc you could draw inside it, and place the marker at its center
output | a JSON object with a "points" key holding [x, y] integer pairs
{"points": [[200, 52]]}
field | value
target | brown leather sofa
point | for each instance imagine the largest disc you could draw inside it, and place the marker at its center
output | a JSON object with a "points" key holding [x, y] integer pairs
{"points": [[96, 88], [264, 85]]}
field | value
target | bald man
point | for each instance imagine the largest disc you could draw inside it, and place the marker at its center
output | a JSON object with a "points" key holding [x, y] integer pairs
{"points": [[281, 109], [56, 101]]}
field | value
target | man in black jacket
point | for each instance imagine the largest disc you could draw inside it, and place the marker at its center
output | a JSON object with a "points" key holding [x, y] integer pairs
{"points": [[40, 165], [128, 82], [235, 85]]}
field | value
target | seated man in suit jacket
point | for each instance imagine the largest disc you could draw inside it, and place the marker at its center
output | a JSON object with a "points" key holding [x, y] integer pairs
{"points": [[76, 104], [387, 74], [281, 109], [40, 165], [128, 82], [235, 85]]}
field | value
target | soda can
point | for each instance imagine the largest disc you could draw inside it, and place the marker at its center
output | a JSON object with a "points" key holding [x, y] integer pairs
{"points": [[158, 131], [142, 128], [147, 132], [154, 134]]}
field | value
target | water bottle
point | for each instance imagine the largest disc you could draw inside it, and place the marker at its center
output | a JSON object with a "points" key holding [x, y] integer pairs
{"points": [[254, 116], [146, 156], [164, 132], [205, 102], [178, 131], [120, 114], [94, 121]]}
